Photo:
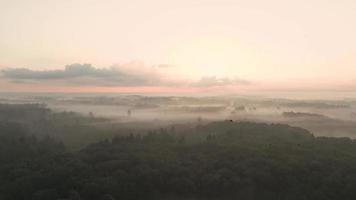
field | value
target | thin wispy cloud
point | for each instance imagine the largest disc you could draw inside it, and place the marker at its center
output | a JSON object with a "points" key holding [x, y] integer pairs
{"points": [[216, 81]]}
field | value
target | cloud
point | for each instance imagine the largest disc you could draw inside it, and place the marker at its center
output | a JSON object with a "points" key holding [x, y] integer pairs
{"points": [[82, 74], [211, 81], [165, 66], [120, 75], [70, 71]]}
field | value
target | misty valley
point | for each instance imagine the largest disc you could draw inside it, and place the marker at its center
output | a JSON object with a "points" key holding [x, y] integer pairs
{"points": [[322, 117], [177, 100], [105, 147]]}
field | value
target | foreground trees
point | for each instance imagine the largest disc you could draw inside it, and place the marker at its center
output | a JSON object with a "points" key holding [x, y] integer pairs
{"points": [[222, 160]]}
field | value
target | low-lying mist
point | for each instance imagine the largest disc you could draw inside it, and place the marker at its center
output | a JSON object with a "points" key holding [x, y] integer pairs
{"points": [[322, 117]]}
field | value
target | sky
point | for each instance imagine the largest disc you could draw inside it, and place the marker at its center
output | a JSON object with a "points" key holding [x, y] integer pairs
{"points": [[177, 45]]}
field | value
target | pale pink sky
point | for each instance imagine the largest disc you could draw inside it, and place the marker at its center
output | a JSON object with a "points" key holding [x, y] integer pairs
{"points": [[274, 44]]}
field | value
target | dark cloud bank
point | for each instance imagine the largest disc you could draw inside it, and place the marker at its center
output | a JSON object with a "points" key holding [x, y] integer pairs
{"points": [[86, 74], [81, 74]]}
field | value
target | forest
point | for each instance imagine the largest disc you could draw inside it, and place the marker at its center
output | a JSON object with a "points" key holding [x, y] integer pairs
{"points": [[216, 160], [177, 100]]}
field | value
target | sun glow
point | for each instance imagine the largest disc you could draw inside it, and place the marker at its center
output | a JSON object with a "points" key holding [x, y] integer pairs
{"points": [[211, 57]]}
